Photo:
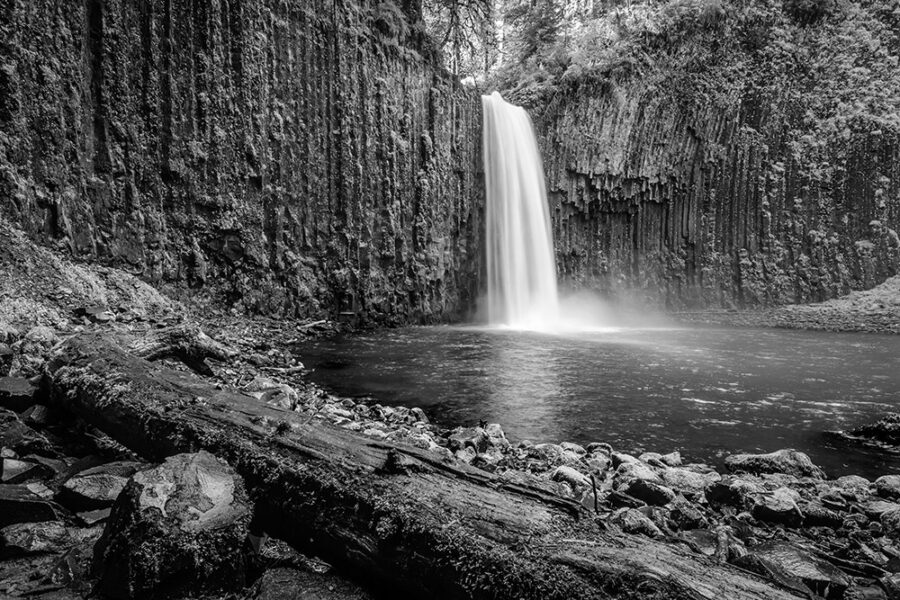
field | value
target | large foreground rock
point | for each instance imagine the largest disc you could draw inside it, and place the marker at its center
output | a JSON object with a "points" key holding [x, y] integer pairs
{"points": [[789, 462], [175, 528]]}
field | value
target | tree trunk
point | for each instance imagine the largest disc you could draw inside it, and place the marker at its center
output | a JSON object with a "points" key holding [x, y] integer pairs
{"points": [[391, 514]]}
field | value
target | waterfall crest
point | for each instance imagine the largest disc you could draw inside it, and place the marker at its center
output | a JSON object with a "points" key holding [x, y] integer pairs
{"points": [[521, 268]]}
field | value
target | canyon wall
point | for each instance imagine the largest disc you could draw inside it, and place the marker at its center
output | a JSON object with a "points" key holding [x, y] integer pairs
{"points": [[698, 207], [294, 158]]}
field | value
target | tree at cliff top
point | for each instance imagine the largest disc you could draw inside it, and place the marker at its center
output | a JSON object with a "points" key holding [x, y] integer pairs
{"points": [[835, 60], [466, 33]]}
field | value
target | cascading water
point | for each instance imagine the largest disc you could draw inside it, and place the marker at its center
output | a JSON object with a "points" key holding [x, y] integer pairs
{"points": [[521, 270]]}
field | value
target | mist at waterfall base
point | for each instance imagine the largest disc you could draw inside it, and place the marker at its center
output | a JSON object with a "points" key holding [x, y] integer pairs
{"points": [[553, 367], [522, 291]]}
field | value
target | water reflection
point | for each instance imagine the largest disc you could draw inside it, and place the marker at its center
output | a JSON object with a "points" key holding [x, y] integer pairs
{"points": [[705, 392]]}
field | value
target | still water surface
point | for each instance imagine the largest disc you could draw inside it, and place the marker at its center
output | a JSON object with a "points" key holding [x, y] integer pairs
{"points": [[705, 392]]}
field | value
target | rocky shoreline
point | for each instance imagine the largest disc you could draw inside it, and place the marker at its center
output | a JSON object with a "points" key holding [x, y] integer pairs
{"points": [[870, 311], [776, 515], [68, 490]]}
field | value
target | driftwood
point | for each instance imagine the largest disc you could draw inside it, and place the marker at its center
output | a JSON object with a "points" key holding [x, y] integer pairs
{"points": [[390, 514], [187, 343]]}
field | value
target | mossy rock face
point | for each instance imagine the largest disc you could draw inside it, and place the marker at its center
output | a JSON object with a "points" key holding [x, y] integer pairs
{"points": [[175, 529]]}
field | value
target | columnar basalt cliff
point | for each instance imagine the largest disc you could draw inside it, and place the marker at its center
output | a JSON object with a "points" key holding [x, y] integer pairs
{"points": [[300, 158], [752, 159], [695, 207]]}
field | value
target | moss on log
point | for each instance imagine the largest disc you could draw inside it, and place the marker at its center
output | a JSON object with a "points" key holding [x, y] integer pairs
{"points": [[396, 515]]}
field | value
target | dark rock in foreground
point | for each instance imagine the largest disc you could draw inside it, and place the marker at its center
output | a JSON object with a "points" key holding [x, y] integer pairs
{"points": [[284, 583], [176, 528]]}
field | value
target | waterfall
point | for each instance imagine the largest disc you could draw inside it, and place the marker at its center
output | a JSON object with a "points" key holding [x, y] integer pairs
{"points": [[521, 269]]}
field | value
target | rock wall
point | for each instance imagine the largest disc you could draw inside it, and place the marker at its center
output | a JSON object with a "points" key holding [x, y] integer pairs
{"points": [[687, 205], [300, 158]]}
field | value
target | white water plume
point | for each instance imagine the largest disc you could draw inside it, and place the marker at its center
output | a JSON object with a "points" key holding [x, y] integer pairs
{"points": [[521, 269]]}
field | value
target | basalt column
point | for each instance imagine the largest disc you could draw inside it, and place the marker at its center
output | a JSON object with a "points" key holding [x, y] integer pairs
{"points": [[302, 158]]}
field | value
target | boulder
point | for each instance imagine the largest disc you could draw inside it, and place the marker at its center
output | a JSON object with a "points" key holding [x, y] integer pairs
{"points": [[876, 508], [572, 447], [890, 523], [688, 482], [685, 515], [17, 393], [175, 529], [571, 476], [469, 437], [619, 458], [854, 485], [733, 491], [779, 507], [20, 437], [789, 462], [888, 486], [815, 514], [886, 430], [21, 471], [628, 472], [652, 493], [91, 492], [792, 566], [631, 520], [33, 538]]}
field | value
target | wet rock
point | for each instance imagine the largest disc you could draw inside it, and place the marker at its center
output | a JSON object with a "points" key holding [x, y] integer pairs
{"points": [[284, 583], [816, 515], [891, 585], [855, 485], [779, 507], [419, 415], [886, 430], [888, 486], [571, 447], [19, 504], [650, 492], [865, 592], [673, 459], [22, 471], [876, 508], [36, 416], [17, 393], [496, 437], [272, 392], [570, 476], [789, 462], [600, 447], [890, 523], [790, 565], [733, 491], [20, 437], [689, 482], [701, 541], [620, 458], [628, 472], [685, 515], [91, 492], [180, 527], [33, 538], [468, 437], [94, 517], [631, 520]]}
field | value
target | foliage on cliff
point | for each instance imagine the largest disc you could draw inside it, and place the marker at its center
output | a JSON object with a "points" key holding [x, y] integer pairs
{"points": [[834, 62]]}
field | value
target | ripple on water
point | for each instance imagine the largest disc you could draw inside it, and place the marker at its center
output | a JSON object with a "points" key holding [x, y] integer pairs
{"points": [[703, 391]]}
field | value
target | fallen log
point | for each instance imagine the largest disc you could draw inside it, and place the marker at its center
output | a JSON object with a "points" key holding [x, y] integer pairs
{"points": [[392, 515]]}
